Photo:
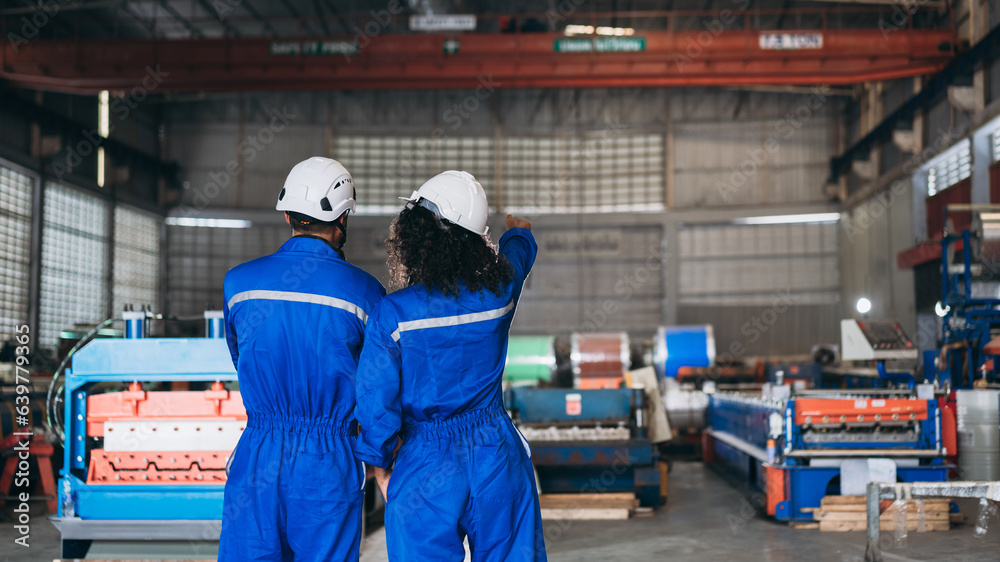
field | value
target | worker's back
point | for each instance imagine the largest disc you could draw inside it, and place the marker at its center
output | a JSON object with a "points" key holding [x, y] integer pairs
{"points": [[430, 404], [296, 327], [453, 348]]}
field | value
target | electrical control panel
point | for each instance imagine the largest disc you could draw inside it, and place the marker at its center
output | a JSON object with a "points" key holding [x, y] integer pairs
{"points": [[875, 340]]}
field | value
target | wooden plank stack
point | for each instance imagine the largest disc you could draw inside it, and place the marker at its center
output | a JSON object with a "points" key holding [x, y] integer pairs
{"points": [[848, 513], [578, 507]]}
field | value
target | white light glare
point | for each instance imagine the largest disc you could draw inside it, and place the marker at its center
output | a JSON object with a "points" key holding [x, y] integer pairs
{"points": [[790, 219], [103, 129], [941, 310], [590, 30], [208, 223], [864, 305]]}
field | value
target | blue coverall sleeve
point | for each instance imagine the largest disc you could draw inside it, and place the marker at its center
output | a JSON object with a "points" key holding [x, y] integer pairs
{"points": [[519, 247], [378, 409], [227, 321]]}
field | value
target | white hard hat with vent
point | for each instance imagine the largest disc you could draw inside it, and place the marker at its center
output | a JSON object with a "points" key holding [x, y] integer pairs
{"points": [[320, 188], [457, 198]]}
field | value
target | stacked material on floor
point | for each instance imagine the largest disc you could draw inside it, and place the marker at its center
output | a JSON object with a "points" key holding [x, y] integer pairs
{"points": [[579, 507], [847, 513], [575, 433], [599, 506]]}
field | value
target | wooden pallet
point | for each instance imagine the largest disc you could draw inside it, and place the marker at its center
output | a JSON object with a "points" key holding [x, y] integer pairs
{"points": [[849, 513], [579, 507]]}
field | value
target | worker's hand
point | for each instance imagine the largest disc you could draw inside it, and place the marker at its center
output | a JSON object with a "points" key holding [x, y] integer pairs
{"points": [[382, 479], [514, 222]]}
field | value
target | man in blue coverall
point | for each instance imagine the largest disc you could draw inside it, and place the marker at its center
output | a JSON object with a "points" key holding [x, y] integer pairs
{"points": [[295, 323], [430, 378]]}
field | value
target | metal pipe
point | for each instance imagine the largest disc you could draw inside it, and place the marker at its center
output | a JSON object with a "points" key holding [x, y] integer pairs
{"points": [[739, 444], [872, 551]]}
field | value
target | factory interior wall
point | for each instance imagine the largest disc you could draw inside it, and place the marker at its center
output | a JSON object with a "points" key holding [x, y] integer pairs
{"points": [[716, 148], [871, 235], [595, 273], [706, 157]]}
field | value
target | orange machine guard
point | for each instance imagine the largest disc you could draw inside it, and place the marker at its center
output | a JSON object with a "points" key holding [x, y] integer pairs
{"points": [[832, 410], [157, 467], [137, 404]]}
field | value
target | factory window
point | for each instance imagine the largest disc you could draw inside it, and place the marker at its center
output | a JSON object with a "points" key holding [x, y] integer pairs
{"points": [[389, 167], [951, 167], [136, 259], [74, 261], [995, 144], [198, 258], [15, 226], [552, 173], [576, 173]]}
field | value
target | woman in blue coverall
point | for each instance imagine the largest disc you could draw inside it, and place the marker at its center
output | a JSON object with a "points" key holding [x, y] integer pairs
{"points": [[448, 458]]}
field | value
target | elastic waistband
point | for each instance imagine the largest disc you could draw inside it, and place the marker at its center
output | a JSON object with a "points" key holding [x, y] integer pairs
{"points": [[454, 425], [302, 424]]}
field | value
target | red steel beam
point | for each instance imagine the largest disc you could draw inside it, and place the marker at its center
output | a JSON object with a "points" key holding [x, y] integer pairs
{"points": [[695, 58]]}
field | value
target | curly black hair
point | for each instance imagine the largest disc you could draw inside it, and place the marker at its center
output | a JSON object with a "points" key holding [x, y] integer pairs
{"points": [[439, 255]]}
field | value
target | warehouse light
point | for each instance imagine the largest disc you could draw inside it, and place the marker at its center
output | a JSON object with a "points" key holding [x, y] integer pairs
{"points": [[790, 219], [103, 129], [864, 305], [615, 31], [941, 310], [208, 223], [590, 30]]}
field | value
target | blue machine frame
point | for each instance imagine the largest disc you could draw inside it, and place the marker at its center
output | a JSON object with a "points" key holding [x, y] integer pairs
{"points": [[967, 320], [591, 466], [740, 429], [126, 361]]}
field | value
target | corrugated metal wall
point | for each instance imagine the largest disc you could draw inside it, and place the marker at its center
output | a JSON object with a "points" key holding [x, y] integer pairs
{"points": [[871, 236], [767, 289], [603, 278], [559, 151], [776, 153], [609, 277], [780, 142]]}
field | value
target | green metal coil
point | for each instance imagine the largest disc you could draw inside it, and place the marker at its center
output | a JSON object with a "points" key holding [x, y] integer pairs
{"points": [[529, 359]]}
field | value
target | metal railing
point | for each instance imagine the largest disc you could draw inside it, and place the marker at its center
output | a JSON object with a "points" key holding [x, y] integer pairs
{"points": [[877, 491]]}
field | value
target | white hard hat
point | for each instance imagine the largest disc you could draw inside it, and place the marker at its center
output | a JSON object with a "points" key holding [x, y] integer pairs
{"points": [[320, 188], [459, 198]]}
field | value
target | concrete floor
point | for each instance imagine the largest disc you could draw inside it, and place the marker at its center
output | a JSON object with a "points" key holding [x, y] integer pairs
{"points": [[705, 520]]}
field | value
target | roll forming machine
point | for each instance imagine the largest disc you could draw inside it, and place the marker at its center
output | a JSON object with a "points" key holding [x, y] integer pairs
{"points": [[143, 464], [796, 448]]}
